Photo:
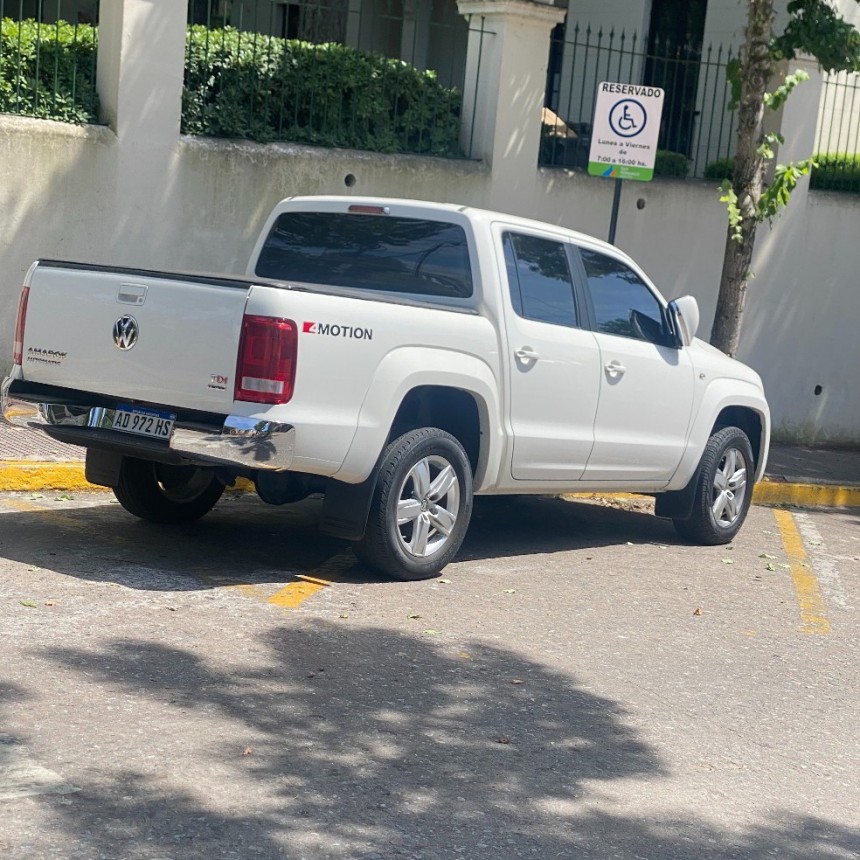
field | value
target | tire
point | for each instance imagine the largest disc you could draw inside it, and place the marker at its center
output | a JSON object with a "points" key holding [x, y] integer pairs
{"points": [[166, 494], [421, 506], [723, 491]]}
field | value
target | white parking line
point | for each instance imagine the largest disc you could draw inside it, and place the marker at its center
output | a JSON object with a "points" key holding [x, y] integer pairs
{"points": [[20, 776], [823, 561]]}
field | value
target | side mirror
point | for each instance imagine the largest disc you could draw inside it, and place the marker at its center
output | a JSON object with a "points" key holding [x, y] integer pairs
{"points": [[685, 313]]}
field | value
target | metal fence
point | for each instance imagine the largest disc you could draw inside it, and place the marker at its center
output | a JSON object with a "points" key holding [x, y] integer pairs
{"points": [[48, 59], [383, 76], [697, 129], [837, 140]]}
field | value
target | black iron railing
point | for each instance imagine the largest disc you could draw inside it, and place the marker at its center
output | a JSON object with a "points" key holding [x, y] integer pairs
{"points": [[334, 73], [48, 60], [697, 127], [837, 141]]}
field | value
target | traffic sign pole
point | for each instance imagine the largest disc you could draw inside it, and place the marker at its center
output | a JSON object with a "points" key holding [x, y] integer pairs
{"points": [[613, 218]]}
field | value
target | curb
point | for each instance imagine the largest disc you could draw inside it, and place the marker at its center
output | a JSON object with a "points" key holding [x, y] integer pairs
{"points": [[28, 476]]}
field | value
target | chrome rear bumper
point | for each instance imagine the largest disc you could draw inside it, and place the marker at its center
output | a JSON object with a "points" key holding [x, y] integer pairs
{"points": [[246, 443]]}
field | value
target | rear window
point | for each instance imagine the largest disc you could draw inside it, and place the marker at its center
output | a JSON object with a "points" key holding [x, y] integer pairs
{"points": [[368, 252]]}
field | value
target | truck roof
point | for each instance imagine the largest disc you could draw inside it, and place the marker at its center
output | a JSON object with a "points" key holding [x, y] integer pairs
{"points": [[337, 202]]}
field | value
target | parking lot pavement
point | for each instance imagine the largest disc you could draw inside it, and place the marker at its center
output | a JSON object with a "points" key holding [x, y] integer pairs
{"points": [[579, 683]]}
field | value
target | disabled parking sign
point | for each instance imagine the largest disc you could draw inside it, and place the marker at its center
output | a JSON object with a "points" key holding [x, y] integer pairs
{"points": [[625, 131]]}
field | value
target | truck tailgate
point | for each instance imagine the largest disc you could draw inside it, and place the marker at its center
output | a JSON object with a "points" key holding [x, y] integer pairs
{"points": [[150, 336]]}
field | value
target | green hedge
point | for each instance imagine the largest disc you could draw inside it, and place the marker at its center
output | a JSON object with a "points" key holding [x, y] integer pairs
{"points": [[264, 88], [668, 163], [48, 70], [721, 169], [836, 171]]}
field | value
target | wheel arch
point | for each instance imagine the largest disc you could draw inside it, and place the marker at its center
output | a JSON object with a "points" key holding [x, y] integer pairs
{"points": [[420, 387], [746, 419]]}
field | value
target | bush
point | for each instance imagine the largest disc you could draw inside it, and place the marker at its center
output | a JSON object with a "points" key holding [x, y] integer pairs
{"points": [[264, 88], [721, 169], [668, 163], [836, 171], [48, 70]]}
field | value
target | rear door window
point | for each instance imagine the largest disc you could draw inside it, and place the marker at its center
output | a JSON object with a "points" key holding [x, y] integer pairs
{"points": [[539, 279], [384, 253]]}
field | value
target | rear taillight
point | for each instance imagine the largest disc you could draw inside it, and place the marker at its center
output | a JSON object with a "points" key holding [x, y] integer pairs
{"points": [[18, 344], [266, 370]]}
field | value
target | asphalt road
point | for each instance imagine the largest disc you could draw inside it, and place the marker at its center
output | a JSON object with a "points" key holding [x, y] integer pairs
{"points": [[581, 684]]}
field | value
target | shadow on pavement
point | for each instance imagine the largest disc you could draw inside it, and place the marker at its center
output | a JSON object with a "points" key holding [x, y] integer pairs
{"points": [[363, 743], [257, 543]]}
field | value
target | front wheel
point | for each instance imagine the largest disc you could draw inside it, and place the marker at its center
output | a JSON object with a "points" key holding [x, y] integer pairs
{"points": [[723, 491], [166, 494], [421, 506]]}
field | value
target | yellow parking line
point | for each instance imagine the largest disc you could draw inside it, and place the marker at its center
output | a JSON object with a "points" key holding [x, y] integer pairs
{"points": [[813, 612], [294, 594]]}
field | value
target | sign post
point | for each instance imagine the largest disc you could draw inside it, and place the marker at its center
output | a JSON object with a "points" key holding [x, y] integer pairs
{"points": [[624, 136]]}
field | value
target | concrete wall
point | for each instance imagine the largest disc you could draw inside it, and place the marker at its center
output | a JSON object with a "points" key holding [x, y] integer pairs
{"points": [[138, 194]]}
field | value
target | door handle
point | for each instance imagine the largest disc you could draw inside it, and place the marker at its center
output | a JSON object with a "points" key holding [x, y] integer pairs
{"points": [[526, 353], [615, 368]]}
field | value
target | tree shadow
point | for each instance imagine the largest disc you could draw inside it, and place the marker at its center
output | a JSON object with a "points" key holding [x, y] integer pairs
{"points": [[364, 743]]}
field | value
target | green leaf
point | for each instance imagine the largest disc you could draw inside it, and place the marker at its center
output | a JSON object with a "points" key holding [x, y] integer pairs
{"points": [[731, 200]]}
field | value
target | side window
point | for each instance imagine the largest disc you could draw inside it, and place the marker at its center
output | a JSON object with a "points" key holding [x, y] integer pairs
{"points": [[623, 304], [539, 279]]}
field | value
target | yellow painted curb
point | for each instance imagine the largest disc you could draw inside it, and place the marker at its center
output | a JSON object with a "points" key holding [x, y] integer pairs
{"points": [[29, 476], [806, 495]]}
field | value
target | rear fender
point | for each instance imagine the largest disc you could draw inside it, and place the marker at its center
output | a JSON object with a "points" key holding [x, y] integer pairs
{"points": [[410, 367]]}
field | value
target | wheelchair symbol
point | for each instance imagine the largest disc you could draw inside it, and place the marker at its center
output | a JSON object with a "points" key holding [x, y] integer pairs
{"points": [[627, 118]]}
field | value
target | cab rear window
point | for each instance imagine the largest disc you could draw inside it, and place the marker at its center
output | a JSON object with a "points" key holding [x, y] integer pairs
{"points": [[368, 252]]}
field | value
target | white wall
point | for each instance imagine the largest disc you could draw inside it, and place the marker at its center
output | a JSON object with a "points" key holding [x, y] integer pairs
{"points": [[138, 194], [57, 200]]}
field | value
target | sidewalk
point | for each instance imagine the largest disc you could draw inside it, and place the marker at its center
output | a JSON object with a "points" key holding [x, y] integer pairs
{"points": [[796, 475]]}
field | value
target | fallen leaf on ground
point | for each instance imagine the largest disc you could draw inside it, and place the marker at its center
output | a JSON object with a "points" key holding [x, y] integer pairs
{"points": [[770, 566], [510, 591], [728, 561], [30, 604], [247, 751], [413, 616], [766, 555], [697, 610], [64, 498], [445, 581], [517, 681], [50, 603], [430, 632]]}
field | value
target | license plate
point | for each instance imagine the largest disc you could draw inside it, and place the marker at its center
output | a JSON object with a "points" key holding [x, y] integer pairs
{"points": [[143, 422]]}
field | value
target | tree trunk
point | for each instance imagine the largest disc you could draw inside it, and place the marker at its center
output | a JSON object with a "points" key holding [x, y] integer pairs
{"points": [[748, 176]]}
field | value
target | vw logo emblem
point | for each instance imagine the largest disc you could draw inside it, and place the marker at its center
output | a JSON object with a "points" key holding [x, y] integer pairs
{"points": [[125, 332]]}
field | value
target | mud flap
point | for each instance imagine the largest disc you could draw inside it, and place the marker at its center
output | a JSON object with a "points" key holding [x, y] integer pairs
{"points": [[103, 467], [678, 504], [346, 508]]}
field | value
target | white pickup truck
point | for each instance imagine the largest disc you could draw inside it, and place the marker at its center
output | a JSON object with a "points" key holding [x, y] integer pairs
{"points": [[399, 357]]}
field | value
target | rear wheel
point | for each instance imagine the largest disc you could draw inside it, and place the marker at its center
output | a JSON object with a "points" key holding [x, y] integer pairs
{"points": [[723, 491], [421, 506], [161, 493]]}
